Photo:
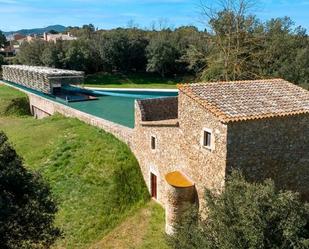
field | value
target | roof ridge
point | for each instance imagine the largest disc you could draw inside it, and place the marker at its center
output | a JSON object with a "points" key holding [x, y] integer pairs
{"points": [[180, 85], [276, 98]]}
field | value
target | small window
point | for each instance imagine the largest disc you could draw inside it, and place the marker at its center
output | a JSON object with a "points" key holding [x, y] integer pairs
{"points": [[153, 143], [207, 139]]}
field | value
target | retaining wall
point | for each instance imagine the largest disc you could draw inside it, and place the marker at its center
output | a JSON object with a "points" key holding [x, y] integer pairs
{"points": [[42, 107]]}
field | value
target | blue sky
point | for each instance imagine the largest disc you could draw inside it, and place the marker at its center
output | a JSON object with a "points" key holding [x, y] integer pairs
{"points": [[16, 14]]}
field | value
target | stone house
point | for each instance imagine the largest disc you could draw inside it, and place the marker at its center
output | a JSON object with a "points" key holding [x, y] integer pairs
{"points": [[56, 37], [192, 142]]}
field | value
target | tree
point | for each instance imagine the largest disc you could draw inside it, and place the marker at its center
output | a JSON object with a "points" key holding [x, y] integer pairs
{"points": [[114, 50], [27, 209], [247, 215], [234, 40], [280, 37], [2, 62], [30, 52], [82, 55], [194, 48], [136, 50], [52, 31], [3, 41], [52, 55], [162, 55]]}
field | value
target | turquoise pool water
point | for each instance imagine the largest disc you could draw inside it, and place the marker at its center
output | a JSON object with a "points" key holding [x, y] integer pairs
{"points": [[113, 105], [117, 106]]}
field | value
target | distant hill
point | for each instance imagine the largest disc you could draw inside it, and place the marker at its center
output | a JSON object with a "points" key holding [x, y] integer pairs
{"points": [[37, 31]]}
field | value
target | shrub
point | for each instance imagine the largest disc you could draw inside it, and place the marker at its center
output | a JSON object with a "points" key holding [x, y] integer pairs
{"points": [[18, 107], [247, 215], [27, 209]]}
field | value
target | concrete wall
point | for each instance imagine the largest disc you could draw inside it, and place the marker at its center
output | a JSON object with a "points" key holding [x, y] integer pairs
{"points": [[276, 148], [38, 113]]}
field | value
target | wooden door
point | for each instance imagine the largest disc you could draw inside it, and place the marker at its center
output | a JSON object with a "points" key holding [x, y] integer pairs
{"points": [[153, 182]]}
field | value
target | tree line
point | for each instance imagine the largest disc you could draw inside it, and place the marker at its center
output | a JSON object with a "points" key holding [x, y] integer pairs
{"points": [[238, 47]]}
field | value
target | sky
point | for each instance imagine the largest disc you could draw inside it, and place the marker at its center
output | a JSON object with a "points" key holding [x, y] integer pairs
{"points": [[106, 14]]}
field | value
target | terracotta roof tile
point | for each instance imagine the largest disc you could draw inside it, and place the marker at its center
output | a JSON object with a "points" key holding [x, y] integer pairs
{"points": [[246, 100]]}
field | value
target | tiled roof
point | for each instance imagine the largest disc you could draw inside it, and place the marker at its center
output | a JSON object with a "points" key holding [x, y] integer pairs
{"points": [[246, 100]]}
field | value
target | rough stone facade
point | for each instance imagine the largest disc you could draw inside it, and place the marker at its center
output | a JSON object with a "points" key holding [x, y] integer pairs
{"points": [[159, 109], [276, 148], [179, 147], [179, 201]]}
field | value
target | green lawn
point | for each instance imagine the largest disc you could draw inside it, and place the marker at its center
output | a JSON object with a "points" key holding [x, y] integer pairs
{"points": [[134, 80], [94, 177]]}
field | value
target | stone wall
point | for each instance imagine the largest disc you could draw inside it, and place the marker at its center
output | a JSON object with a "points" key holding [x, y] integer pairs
{"points": [[51, 107], [159, 109], [42, 107], [179, 148], [164, 158], [180, 200], [276, 148], [205, 167]]}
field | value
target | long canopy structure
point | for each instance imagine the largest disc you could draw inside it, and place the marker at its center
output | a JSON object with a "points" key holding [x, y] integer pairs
{"points": [[44, 79]]}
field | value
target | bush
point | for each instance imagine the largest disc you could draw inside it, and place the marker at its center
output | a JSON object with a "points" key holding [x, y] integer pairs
{"points": [[27, 209], [2, 62], [17, 107], [247, 215]]}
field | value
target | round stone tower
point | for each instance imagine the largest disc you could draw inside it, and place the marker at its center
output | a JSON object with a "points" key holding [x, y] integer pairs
{"points": [[180, 197]]}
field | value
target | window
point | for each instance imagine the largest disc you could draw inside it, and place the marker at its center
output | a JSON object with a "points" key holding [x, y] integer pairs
{"points": [[153, 143], [207, 139]]}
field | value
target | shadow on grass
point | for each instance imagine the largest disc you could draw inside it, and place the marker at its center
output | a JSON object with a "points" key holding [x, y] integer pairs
{"points": [[17, 107]]}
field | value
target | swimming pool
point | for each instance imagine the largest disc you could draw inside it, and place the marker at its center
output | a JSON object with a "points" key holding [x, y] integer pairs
{"points": [[117, 106], [114, 105]]}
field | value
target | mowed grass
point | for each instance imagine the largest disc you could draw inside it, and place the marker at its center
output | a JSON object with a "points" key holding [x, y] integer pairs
{"points": [[94, 177], [134, 80]]}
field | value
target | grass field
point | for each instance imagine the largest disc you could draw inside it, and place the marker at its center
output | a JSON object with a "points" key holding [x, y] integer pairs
{"points": [[94, 177], [143, 230], [136, 80]]}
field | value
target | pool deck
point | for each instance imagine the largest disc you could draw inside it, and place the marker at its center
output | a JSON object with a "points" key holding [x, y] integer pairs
{"points": [[132, 89]]}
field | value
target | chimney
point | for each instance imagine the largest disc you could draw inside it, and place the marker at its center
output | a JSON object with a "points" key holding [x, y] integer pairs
{"points": [[45, 36]]}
